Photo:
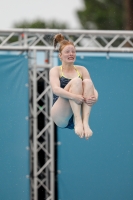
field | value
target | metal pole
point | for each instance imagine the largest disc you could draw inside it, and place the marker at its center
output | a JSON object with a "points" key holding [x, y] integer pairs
{"points": [[52, 148], [35, 160]]}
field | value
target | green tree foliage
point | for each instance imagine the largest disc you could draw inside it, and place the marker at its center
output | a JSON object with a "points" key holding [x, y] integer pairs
{"points": [[102, 14], [38, 23]]}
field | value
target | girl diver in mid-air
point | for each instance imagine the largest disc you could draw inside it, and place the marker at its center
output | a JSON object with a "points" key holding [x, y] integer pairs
{"points": [[73, 91]]}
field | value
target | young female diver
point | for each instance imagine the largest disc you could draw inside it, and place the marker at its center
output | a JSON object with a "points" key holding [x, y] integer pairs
{"points": [[73, 91]]}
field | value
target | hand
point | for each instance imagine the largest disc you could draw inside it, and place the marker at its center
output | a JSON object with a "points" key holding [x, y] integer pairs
{"points": [[78, 99], [90, 101]]}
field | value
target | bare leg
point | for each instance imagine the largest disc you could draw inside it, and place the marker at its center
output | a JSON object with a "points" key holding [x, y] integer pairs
{"points": [[88, 91], [77, 88], [63, 109], [61, 112]]}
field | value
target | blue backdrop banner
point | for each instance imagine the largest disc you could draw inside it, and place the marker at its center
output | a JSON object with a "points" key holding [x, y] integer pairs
{"points": [[101, 168], [14, 154]]}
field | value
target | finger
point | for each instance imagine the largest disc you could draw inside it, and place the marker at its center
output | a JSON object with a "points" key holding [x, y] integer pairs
{"points": [[91, 101], [91, 98], [89, 104]]}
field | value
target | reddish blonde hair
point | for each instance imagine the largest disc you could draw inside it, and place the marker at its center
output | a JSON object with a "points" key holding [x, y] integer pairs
{"points": [[59, 38]]}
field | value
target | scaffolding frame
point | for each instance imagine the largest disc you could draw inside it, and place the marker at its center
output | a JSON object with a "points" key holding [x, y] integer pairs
{"points": [[42, 171]]}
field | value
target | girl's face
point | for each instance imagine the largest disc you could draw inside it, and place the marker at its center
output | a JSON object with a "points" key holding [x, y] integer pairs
{"points": [[68, 54]]}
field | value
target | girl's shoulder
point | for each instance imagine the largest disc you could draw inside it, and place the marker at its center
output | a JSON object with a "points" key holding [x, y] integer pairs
{"points": [[55, 67], [81, 69], [55, 70]]}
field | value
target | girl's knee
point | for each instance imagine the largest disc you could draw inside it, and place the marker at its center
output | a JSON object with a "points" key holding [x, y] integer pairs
{"points": [[76, 86], [77, 81], [88, 82]]}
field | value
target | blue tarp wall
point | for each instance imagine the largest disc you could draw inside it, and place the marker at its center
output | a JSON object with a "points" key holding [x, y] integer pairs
{"points": [[14, 136], [101, 168]]}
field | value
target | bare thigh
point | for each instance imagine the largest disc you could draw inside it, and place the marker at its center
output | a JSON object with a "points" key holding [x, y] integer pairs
{"points": [[61, 110]]}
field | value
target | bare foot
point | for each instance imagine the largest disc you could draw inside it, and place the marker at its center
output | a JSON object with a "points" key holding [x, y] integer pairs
{"points": [[79, 130], [87, 131]]}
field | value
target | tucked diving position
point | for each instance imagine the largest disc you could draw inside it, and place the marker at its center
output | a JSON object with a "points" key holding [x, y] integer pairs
{"points": [[74, 93]]}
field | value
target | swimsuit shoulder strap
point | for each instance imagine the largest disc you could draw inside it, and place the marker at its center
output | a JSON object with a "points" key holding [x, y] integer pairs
{"points": [[61, 71], [74, 68], [78, 72]]}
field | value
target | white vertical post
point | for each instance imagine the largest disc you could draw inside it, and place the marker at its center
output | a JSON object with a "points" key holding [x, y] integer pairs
{"points": [[52, 148], [35, 158]]}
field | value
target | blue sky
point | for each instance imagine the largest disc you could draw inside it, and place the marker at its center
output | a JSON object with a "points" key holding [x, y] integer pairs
{"points": [[12, 11]]}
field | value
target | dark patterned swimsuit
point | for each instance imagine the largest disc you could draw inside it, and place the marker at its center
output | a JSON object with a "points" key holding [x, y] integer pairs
{"points": [[63, 82]]}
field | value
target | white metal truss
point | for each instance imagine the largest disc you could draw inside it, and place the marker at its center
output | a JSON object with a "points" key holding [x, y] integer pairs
{"points": [[84, 40], [41, 130], [41, 124]]}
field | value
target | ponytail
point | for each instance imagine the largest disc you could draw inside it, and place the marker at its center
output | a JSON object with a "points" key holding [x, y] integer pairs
{"points": [[59, 38]]}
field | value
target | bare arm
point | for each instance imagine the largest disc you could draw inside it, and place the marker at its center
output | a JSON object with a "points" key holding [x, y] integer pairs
{"points": [[55, 85], [86, 75]]}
